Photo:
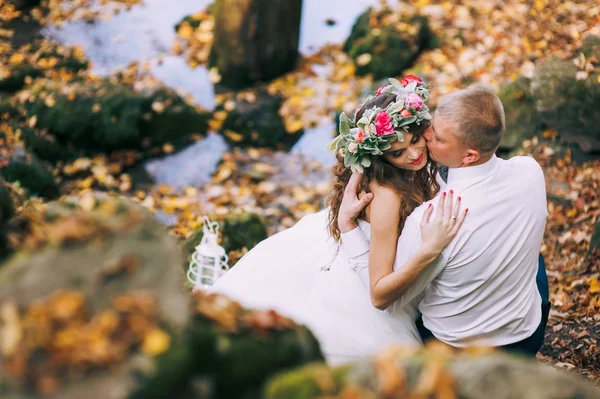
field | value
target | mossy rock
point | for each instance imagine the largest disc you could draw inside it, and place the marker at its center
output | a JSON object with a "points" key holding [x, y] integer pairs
{"points": [[38, 58], [45, 146], [7, 211], [243, 230], [239, 229], [432, 372], [391, 51], [31, 174], [24, 4], [595, 240], [102, 116], [254, 119], [108, 260], [564, 102], [590, 48], [522, 121], [231, 350]]}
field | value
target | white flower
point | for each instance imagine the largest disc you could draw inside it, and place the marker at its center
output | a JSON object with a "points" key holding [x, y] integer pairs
{"points": [[353, 147]]}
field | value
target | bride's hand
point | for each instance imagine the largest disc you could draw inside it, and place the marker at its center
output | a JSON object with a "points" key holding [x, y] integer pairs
{"points": [[439, 231]]}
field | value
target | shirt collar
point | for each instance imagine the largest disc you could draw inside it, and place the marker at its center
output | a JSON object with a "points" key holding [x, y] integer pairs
{"points": [[473, 172]]}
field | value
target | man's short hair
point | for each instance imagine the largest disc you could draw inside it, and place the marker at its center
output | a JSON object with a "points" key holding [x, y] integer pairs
{"points": [[479, 117]]}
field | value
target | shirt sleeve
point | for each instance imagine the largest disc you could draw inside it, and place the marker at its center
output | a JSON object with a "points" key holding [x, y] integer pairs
{"points": [[356, 248], [355, 243], [408, 244]]}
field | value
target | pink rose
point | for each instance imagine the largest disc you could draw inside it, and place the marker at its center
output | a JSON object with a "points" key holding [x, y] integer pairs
{"points": [[380, 90], [353, 147], [404, 82], [412, 78], [383, 124], [405, 113], [413, 100], [359, 136]]}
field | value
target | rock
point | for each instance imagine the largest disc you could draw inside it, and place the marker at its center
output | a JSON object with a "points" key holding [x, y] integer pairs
{"points": [[45, 146], [433, 372], [7, 211], [522, 121], [102, 116], [230, 351], [31, 174], [590, 48], [566, 100], [381, 48], [243, 230], [24, 4], [595, 240], [252, 118], [38, 58], [95, 291]]}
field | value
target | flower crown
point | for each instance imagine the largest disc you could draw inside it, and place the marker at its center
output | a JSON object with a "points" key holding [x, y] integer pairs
{"points": [[377, 128]]}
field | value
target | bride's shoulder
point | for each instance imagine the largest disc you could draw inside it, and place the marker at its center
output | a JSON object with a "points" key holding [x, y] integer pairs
{"points": [[381, 190], [385, 195]]}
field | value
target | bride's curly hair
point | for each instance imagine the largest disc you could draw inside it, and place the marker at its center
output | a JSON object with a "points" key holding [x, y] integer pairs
{"points": [[415, 187]]}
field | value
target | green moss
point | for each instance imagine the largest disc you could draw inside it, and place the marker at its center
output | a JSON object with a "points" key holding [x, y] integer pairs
{"points": [[522, 122], [30, 67], [391, 51], [104, 116], [34, 176], [565, 102], [308, 382], [239, 230], [590, 48], [256, 122], [243, 230]]}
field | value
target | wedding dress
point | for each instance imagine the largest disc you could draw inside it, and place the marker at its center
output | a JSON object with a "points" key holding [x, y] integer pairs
{"points": [[302, 273]]}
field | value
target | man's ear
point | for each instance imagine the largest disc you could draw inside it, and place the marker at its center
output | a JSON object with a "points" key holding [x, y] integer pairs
{"points": [[471, 157]]}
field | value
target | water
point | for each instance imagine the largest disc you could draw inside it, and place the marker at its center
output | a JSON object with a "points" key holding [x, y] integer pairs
{"points": [[146, 33], [191, 167]]}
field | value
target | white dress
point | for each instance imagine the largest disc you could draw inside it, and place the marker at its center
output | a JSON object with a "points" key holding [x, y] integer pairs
{"points": [[303, 273]]}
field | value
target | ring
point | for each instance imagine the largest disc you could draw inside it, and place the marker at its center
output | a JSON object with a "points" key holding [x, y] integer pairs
{"points": [[453, 217]]}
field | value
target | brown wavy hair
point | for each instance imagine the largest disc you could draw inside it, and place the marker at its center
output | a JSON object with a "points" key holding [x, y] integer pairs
{"points": [[414, 187]]}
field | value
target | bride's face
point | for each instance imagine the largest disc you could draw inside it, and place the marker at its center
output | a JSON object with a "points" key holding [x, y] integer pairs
{"points": [[408, 154]]}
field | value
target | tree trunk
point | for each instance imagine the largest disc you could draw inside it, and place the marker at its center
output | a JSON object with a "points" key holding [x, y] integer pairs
{"points": [[255, 40]]}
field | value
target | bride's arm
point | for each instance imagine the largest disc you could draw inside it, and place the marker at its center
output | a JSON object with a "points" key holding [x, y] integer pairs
{"points": [[386, 285]]}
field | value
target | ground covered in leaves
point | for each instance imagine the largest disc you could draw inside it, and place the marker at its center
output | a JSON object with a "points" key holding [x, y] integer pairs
{"points": [[479, 41]]}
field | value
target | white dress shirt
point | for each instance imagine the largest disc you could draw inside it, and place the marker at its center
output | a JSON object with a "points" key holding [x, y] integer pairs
{"points": [[482, 288]]}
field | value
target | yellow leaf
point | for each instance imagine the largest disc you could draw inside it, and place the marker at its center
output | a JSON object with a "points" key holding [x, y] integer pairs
{"points": [[594, 285], [156, 342], [16, 59], [158, 107], [185, 30]]}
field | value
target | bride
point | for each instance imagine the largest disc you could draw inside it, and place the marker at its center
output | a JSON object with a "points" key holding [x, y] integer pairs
{"points": [[303, 272]]}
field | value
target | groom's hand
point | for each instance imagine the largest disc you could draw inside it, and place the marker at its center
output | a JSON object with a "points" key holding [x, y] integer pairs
{"points": [[351, 205]]}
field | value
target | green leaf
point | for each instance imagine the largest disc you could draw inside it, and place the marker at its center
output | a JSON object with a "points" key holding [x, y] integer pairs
{"points": [[396, 83], [357, 167], [366, 162], [344, 117], [395, 107], [385, 147], [333, 144], [407, 121]]}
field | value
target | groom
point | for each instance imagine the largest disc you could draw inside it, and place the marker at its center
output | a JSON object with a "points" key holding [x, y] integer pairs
{"points": [[482, 288]]}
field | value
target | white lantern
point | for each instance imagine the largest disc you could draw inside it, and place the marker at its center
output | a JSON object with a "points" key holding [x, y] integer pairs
{"points": [[209, 260]]}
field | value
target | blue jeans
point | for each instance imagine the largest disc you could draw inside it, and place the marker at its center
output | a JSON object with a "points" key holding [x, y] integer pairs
{"points": [[531, 345]]}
